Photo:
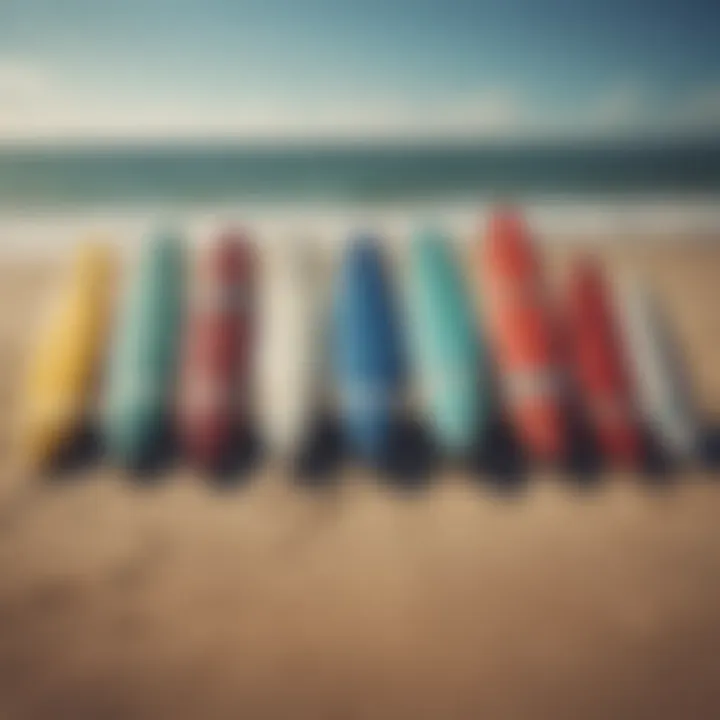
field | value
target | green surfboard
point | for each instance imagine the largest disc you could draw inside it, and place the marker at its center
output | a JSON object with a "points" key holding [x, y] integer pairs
{"points": [[144, 355]]}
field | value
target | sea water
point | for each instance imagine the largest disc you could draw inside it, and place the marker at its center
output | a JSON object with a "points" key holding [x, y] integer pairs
{"points": [[49, 194]]}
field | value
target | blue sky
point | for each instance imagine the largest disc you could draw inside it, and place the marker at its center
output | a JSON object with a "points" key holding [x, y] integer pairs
{"points": [[436, 68]]}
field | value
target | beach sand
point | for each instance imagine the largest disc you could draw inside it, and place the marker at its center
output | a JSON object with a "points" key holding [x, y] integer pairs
{"points": [[266, 600]]}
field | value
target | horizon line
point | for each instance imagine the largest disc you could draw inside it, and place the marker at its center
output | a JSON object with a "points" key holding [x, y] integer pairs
{"points": [[645, 139]]}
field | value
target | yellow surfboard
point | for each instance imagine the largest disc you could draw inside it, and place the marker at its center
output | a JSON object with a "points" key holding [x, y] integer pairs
{"points": [[64, 368]]}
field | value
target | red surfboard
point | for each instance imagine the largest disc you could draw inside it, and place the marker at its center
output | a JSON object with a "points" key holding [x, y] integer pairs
{"points": [[599, 366], [524, 337], [215, 380]]}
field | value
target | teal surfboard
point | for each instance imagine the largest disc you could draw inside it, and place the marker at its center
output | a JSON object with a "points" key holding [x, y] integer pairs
{"points": [[142, 373], [448, 360]]}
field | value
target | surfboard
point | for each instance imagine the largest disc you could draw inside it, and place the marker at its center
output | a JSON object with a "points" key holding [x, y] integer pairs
{"points": [[447, 354], [65, 366], [217, 339], [599, 364], [523, 330], [142, 373], [290, 340], [367, 350], [663, 391]]}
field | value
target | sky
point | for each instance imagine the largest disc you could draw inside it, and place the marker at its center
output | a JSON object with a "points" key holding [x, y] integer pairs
{"points": [[438, 69]]}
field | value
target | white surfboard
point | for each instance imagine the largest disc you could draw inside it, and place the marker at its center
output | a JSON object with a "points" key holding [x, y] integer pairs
{"points": [[290, 342], [662, 391]]}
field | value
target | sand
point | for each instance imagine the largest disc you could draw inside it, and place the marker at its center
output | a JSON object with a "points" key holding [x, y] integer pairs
{"points": [[362, 600]]}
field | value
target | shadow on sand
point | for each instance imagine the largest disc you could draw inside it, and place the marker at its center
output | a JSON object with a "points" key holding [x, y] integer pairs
{"points": [[583, 466], [710, 446], [317, 465], [413, 461], [412, 458], [236, 468], [85, 450], [498, 461]]}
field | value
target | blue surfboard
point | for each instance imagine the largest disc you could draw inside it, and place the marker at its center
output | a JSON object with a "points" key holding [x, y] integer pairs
{"points": [[447, 354], [367, 350], [144, 354]]}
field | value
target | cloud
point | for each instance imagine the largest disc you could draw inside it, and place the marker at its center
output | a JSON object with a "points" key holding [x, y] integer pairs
{"points": [[21, 83], [35, 107], [700, 110], [620, 106], [632, 108], [492, 112], [488, 113]]}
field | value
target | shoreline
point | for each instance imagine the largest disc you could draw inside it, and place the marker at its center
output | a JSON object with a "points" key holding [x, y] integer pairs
{"points": [[50, 231]]}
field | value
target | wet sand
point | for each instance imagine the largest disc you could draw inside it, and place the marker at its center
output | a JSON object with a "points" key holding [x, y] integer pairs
{"points": [[363, 600]]}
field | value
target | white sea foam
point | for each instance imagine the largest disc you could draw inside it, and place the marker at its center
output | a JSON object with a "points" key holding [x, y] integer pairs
{"points": [[43, 233]]}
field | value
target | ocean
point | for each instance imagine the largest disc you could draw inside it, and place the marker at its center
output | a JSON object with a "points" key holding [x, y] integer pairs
{"points": [[601, 188]]}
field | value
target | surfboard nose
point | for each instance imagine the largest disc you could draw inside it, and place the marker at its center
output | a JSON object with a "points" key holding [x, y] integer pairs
{"points": [[507, 245]]}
